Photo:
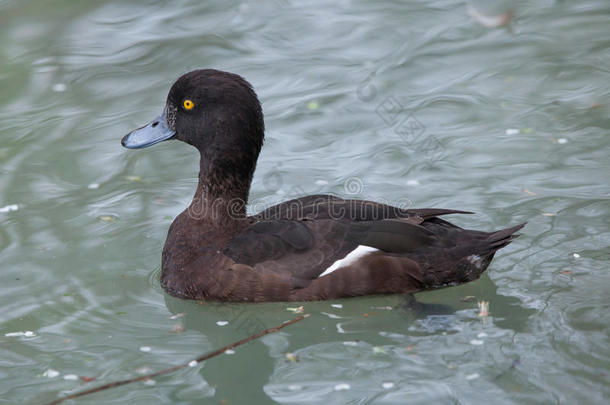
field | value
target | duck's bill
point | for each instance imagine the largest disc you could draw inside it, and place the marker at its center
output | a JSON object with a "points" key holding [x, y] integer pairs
{"points": [[154, 132]]}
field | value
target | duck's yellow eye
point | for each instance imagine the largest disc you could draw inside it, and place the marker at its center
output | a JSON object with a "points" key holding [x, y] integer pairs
{"points": [[188, 104]]}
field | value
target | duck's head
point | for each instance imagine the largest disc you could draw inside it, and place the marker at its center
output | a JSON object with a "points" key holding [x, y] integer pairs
{"points": [[215, 111]]}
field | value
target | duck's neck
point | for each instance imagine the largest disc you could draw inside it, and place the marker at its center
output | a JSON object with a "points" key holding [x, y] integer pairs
{"points": [[222, 192]]}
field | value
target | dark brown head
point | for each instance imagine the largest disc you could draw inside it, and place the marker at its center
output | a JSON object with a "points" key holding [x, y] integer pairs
{"points": [[216, 112]]}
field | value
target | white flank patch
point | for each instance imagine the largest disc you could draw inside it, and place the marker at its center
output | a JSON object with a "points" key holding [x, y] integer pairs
{"points": [[351, 257]]}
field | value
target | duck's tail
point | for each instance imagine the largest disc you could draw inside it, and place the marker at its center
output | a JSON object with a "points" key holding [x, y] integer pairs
{"points": [[471, 259], [499, 239]]}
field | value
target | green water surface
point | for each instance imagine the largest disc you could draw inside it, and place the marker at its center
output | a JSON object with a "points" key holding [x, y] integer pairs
{"points": [[413, 103]]}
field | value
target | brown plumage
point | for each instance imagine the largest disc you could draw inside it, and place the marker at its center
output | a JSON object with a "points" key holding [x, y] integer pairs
{"points": [[312, 248]]}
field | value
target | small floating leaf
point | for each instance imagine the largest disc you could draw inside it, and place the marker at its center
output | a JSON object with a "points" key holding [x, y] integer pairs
{"points": [[313, 105], [108, 218]]}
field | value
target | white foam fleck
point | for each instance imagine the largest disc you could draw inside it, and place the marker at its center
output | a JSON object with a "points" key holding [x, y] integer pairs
{"points": [[222, 323], [27, 333], [50, 373], [342, 387], [476, 342], [71, 377], [576, 255], [93, 186], [9, 208], [331, 316], [387, 385], [192, 363], [512, 131], [145, 349], [229, 351], [336, 305]]}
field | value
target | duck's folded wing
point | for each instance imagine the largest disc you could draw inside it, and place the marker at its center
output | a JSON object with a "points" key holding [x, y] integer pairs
{"points": [[269, 240]]}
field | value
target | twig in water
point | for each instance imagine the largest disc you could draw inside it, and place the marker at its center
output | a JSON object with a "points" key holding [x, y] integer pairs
{"points": [[199, 359]]}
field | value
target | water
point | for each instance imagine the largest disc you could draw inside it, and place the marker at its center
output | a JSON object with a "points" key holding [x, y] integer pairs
{"points": [[404, 102]]}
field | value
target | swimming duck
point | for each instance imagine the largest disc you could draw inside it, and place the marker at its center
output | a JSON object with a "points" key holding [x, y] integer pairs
{"points": [[317, 247]]}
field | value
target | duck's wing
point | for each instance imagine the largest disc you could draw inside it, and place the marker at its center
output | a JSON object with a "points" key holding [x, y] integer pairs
{"points": [[304, 250], [297, 249]]}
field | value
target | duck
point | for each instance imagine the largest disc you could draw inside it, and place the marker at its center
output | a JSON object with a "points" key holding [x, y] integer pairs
{"points": [[317, 247]]}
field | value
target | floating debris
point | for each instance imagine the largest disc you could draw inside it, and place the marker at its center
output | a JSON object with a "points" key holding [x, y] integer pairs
{"points": [[296, 310], [71, 377], [512, 131], [93, 186], [483, 308], [337, 305], [342, 387], [576, 255], [9, 208], [562, 141], [477, 342], [108, 218], [50, 373], [178, 328], [178, 315], [378, 350], [292, 357], [229, 351], [387, 385], [331, 316], [59, 87], [193, 363], [469, 298], [490, 21], [472, 376], [222, 323], [566, 272], [549, 214], [133, 178], [27, 333], [313, 105], [350, 343], [87, 379], [145, 349], [528, 192]]}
